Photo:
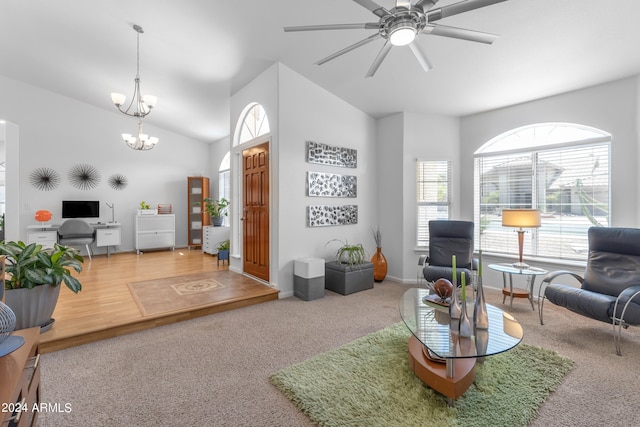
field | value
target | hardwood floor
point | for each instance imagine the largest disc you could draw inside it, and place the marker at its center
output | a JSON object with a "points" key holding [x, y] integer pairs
{"points": [[105, 308]]}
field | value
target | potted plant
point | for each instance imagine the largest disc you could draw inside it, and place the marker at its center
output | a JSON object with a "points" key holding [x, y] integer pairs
{"points": [[350, 271], [33, 280], [145, 209], [223, 250], [217, 209]]}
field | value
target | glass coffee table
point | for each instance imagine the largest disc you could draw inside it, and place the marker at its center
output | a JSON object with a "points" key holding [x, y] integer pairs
{"points": [[441, 358]]}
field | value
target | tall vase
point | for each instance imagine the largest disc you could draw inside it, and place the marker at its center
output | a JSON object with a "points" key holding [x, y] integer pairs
{"points": [[480, 315], [379, 265], [454, 308], [465, 323]]}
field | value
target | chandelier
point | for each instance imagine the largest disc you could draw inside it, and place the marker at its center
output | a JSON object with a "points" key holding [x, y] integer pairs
{"points": [[139, 107]]}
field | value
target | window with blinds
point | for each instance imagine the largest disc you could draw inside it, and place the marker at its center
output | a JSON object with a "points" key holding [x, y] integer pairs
{"points": [[433, 179], [568, 181]]}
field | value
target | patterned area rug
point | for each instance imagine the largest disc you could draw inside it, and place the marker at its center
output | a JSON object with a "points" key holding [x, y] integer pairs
{"points": [[180, 292]]}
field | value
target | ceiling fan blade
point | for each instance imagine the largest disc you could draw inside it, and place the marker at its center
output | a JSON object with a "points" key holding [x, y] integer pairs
{"points": [[425, 5], [349, 48], [460, 7], [460, 33], [381, 55], [367, 26], [373, 7], [420, 56]]}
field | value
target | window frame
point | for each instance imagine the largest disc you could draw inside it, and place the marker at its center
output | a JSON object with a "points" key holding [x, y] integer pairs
{"points": [[422, 226], [534, 247]]}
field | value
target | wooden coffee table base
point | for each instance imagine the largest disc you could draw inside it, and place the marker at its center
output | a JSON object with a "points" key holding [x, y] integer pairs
{"points": [[434, 374]]}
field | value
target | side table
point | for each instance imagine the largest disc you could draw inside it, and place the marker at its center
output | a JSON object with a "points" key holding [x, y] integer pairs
{"points": [[508, 270]]}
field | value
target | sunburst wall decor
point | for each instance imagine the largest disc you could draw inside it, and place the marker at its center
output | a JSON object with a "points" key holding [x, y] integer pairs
{"points": [[118, 181], [44, 179], [84, 177]]}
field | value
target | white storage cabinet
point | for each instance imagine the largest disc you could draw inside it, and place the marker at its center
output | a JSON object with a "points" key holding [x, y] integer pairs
{"points": [[155, 232]]}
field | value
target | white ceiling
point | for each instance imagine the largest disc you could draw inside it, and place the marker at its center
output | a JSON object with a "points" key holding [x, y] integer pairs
{"points": [[196, 53]]}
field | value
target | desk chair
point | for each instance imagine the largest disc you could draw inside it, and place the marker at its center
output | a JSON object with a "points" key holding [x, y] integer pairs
{"points": [[77, 232]]}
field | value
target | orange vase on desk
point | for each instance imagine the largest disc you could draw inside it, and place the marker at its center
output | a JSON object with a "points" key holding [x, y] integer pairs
{"points": [[379, 265]]}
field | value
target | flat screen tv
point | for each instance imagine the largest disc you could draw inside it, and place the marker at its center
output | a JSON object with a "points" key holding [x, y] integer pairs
{"points": [[80, 209]]}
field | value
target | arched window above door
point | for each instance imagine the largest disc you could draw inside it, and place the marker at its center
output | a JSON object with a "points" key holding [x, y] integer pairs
{"points": [[252, 124]]}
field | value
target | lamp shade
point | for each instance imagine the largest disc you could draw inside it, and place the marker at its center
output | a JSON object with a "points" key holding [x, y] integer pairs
{"points": [[523, 218]]}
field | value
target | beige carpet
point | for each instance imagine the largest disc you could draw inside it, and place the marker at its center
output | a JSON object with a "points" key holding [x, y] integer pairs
{"points": [[214, 370], [181, 292]]}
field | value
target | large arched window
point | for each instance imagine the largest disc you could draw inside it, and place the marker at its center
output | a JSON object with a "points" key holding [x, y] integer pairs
{"points": [[561, 169]]}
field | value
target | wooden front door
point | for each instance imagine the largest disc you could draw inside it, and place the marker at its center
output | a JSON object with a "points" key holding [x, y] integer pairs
{"points": [[255, 181]]}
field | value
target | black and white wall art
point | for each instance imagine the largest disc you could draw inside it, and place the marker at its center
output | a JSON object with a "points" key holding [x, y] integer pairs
{"points": [[320, 184], [324, 154], [326, 215]]}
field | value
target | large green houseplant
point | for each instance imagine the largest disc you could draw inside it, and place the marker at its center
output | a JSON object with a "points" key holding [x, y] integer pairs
{"points": [[217, 209], [33, 280]]}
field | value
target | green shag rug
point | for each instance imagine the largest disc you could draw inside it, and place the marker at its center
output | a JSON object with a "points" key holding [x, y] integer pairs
{"points": [[368, 383]]}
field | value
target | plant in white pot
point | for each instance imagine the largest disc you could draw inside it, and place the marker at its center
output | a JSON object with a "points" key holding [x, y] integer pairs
{"points": [[217, 209], [34, 275]]}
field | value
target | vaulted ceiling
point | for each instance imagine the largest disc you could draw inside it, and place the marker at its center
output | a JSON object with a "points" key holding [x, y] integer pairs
{"points": [[194, 54]]}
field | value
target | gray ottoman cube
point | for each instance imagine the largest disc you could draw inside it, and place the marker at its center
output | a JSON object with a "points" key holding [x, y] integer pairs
{"points": [[345, 280]]}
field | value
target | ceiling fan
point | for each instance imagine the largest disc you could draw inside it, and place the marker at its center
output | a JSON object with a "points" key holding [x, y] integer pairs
{"points": [[401, 25]]}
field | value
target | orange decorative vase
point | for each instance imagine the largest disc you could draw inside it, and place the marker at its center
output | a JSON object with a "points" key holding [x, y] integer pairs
{"points": [[379, 265]]}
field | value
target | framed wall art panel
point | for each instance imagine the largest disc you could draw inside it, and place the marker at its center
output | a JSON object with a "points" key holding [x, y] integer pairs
{"points": [[324, 154], [321, 184], [325, 215]]}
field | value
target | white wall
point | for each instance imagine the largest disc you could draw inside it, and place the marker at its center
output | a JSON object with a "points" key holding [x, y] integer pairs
{"points": [[310, 113], [404, 138], [58, 133], [391, 208]]}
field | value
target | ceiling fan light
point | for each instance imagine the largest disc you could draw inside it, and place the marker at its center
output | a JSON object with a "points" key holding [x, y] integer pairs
{"points": [[402, 35]]}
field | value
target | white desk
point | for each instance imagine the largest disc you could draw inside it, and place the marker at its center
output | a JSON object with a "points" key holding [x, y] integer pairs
{"points": [[107, 234]]}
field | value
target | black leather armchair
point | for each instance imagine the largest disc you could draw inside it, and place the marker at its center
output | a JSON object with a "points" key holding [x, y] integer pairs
{"points": [[447, 238], [610, 288]]}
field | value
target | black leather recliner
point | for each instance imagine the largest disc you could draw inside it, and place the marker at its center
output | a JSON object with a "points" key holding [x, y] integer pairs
{"points": [[610, 288], [447, 238]]}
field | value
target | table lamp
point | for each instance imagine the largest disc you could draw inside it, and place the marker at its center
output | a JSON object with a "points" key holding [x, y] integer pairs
{"points": [[520, 218]]}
